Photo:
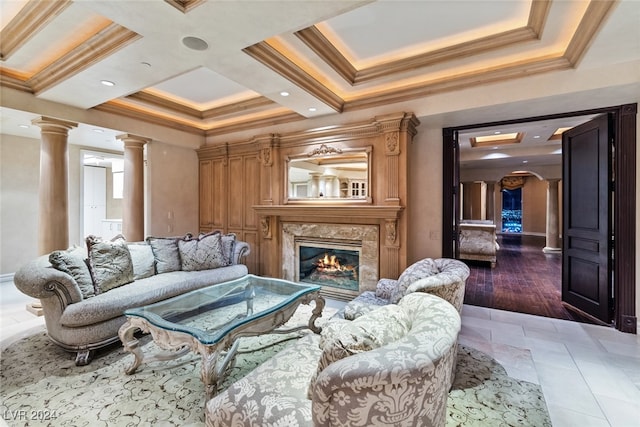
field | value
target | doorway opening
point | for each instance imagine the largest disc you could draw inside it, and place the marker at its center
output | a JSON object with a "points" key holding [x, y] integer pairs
{"points": [[102, 181], [622, 212]]}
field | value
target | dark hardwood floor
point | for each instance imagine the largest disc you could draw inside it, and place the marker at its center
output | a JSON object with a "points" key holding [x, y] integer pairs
{"points": [[524, 280]]}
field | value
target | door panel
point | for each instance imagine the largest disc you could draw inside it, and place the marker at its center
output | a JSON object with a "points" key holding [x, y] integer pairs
{"points": [[586, 265]]}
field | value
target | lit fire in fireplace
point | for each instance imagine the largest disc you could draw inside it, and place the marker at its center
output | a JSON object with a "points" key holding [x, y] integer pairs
{"points": [[330, 264]]}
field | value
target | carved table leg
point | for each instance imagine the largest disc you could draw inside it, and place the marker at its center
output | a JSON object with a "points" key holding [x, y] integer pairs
{"points": [[213, 368], [130, 344], [317, 312]]}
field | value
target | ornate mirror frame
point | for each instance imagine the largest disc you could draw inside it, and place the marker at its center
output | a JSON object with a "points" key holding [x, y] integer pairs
{"points": [[339, 188]]}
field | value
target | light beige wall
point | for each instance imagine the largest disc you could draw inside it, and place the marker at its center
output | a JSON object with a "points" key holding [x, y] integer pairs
{"points": [[172, 190], [424, 207], [19, 180], [534, 206]]}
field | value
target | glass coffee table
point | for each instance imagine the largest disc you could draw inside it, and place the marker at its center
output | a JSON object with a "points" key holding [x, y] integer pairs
{"points": [[209, 321]]}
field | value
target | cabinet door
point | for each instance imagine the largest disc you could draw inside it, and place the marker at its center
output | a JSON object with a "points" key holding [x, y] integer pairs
{"points": [[213, 194], [206, 193]]}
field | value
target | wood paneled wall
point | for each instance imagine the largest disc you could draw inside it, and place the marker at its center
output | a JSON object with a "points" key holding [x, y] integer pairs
{"points": [[240, 181]]}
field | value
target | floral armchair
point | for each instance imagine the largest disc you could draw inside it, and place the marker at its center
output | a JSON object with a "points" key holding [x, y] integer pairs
{"points": [[443, 277], [402, 381]]}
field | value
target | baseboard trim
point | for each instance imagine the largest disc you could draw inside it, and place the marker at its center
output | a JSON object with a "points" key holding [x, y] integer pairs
{"points": [[6, 277]]}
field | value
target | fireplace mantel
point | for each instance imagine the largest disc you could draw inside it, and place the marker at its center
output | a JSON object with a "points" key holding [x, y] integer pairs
{"points": [[322, 211]]}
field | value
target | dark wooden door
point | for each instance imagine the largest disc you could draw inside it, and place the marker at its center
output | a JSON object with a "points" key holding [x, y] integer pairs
{"points": [[587, 231]]}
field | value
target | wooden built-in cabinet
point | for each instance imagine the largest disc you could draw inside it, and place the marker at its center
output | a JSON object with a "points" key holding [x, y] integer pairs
{"points": [[244, 188], [227, 195]]}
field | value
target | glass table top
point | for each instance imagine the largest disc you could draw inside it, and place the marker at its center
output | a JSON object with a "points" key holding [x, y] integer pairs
{"points": [[210, 313]]}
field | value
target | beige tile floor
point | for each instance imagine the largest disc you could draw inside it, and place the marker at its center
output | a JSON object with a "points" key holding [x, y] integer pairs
{"points": [[590, 375]]}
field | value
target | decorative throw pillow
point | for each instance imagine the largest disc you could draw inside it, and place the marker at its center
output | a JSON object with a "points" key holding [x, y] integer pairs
{"points": [[109, 263], [142, 259], [419, 270], [203, 253], [165, 253], [73, 262], [342, 338], [228, 247]]}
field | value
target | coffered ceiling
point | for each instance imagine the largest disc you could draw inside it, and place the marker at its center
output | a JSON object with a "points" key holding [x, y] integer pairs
{"points": [[213, 67]]}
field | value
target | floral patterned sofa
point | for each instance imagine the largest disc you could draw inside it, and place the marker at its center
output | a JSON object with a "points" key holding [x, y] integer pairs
{"points": [[443, 277], [390, 366]]}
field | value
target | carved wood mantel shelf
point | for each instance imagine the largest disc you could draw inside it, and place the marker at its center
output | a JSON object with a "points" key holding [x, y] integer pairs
{"points": [[383, 215], [356, 213]]}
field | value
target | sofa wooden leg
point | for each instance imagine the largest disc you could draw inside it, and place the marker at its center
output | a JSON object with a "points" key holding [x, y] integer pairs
{"points": [[84, 357]]}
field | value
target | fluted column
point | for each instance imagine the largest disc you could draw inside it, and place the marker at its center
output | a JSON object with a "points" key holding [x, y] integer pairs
{"points": [[133, 194], [553, 229], [53, 225]]}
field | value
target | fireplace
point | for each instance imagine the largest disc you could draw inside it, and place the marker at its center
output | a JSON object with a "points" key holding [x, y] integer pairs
{"points": [[329, 264], [353, 245]]}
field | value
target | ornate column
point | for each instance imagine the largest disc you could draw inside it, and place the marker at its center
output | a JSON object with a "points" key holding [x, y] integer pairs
{"points": [[53, 190], [552, 231], [491, 208], [133, 194]]}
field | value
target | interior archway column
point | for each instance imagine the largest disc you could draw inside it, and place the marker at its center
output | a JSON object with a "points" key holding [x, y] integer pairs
{"points": [[490, 201], [133, 192], [53, 225], [553, 229]]}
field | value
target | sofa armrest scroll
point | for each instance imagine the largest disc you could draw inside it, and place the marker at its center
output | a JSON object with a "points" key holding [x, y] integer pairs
{"points": [[241, 250], [40, 280]]}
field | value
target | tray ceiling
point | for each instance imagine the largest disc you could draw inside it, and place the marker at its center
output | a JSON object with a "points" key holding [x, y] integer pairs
{"points": [[328, 57]]}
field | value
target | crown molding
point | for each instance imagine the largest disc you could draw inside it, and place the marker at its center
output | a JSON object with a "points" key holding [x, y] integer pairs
{"points": [[32, 18], [317, 42], [97, 47], [462, 81], [185, 6], [116, 108], [272, 58], [275, 119], [591, 22], [238, 107], [13, 80]]}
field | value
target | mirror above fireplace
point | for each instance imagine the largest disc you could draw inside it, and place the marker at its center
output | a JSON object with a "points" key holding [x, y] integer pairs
{"points": [[328, 174]]}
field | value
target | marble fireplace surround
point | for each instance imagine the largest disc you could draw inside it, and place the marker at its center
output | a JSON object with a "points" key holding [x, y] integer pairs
{"points": [[365, 236], [378, 228]]}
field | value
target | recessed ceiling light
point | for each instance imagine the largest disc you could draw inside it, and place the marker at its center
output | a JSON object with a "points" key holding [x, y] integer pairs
{"points": [[525, 161], [23, 126], [312, 109], [107, 83], [536, 136], [284, 93], [497, 132], [195, 43], [98, 130]]}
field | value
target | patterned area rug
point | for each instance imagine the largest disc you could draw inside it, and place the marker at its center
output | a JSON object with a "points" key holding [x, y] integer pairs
{"points": [[40, 385]]}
